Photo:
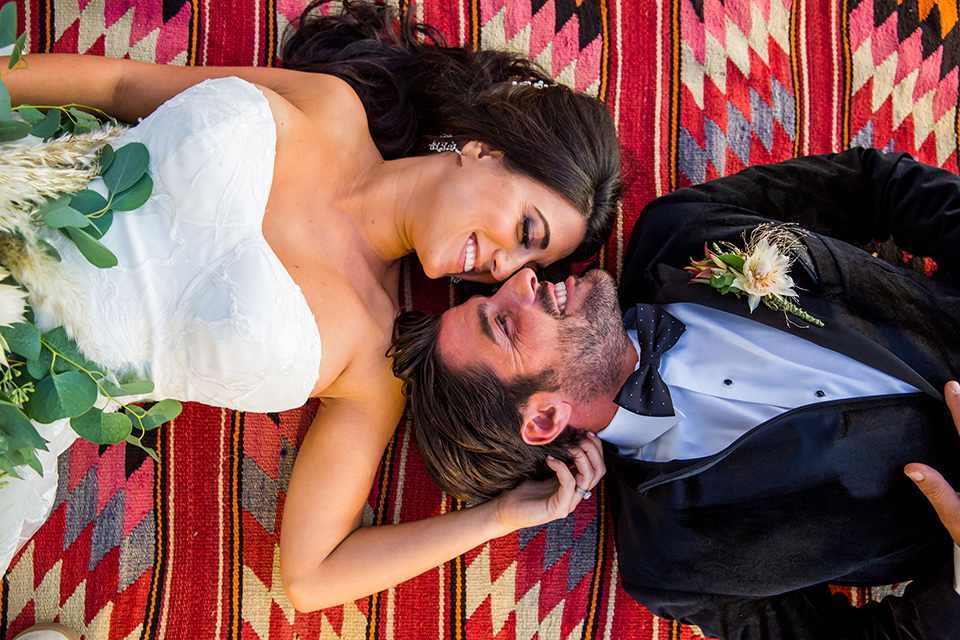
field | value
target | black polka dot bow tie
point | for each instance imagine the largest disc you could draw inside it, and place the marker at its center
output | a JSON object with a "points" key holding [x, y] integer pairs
{"points": [[645, 392]]}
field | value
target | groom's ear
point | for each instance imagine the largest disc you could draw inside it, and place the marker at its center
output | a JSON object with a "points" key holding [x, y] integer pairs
{"points": [[545, 416]]}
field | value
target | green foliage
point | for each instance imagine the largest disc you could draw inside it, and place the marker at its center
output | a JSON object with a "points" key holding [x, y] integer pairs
{"points": [[45, 377]]}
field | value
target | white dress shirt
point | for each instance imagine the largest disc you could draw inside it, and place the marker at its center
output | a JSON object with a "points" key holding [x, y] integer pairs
{"points": [[728, 374]]}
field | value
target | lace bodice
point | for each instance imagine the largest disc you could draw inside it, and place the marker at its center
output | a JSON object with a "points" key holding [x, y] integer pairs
{"points": [[199, 302]]}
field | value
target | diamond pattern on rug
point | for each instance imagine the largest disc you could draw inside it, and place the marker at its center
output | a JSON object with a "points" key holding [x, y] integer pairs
{"points": [[562, 36], [96, 553], [124, 29], [904, 77], [737, 106]]}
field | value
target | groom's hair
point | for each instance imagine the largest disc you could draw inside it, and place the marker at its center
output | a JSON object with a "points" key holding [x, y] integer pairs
{"points": [[467, 421]]}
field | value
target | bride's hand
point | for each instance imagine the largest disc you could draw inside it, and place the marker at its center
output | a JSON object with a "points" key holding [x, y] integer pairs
{"points": [[534, 503]]}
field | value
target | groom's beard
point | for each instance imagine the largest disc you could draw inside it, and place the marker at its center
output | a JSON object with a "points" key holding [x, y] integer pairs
{"points": [[591, 343]]}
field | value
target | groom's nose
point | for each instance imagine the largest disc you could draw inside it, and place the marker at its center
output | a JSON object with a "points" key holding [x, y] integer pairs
{"points": [[523, 285]]}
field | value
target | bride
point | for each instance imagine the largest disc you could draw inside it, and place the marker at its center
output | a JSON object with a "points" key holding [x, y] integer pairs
{"points": [[283, 202]]}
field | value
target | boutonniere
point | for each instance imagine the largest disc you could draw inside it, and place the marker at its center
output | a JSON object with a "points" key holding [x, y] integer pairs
{"points": [[760, 270]]}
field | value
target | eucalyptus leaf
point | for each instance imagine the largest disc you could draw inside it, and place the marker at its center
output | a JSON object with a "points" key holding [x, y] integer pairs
{"points": [[65, 216], [135, 196], [60, 343], [88, 202], [160, 413], [136, 387], [130, 162], [62, 395], [17, 427], [48, 124], [41, 366], [83, 121], [7, 466], [22, 338], [13, 130], [102, 427], [92, 250], [4, 445], [29, 113], [28, 456], [4, 101], [8, 24], [106, 158], [51, 204], [17, 54], [100, 224], [49, 249]]}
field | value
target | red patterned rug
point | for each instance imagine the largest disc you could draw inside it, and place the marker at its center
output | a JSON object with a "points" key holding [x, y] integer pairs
{"points": [[699, 88]]}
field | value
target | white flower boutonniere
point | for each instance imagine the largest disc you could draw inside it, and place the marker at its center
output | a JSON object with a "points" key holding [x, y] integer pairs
{"points": [[761, 270]]}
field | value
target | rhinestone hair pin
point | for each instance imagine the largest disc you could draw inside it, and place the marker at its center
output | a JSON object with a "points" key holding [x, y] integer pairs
{"points": [[538, 84]]}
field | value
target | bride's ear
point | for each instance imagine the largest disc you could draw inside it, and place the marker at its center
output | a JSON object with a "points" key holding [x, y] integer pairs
{"points": [[545, 416], [477, 149]]}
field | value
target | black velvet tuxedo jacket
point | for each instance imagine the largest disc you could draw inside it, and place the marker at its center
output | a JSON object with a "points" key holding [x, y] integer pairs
{"points": [[743, 542]]}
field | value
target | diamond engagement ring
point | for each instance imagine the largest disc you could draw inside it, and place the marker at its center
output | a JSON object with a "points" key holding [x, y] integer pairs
{"points": [[584, 493]]}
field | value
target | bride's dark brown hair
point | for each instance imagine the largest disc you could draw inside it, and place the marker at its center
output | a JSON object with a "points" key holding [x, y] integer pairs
{"points": [[415, 88]]}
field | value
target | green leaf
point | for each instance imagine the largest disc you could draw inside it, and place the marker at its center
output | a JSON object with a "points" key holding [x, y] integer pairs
{"points": [[29, 113], [733, 260], [65, 216], [135, 196], [130, 162], [22, 338], [28, 456], [100, 224], [18, 429], [106, 158], [101, 427], [48, 124], [41, 366], [92, 250], [49, 249], [57, 341], [7, 466], [88, 202], [62, 395], [132, 388], [13, 130], [84, 122], [4, 445], [8, 24], [17, 53], [4, 101], [165, 411]]}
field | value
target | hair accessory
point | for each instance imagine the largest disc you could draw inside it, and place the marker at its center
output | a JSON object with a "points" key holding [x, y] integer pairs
{"points": [[584, 493], [538, 84], [443, 144], [454, 280]]}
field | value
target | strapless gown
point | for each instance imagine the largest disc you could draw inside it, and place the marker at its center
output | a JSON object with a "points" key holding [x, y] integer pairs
{"points": [[199, 303]]}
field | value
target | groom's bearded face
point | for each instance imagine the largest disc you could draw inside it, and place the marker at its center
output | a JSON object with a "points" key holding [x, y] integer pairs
{"points": [[521, 332], [591, 341]]}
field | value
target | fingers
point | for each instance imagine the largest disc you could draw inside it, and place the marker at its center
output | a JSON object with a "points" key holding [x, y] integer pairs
{"points": [[951, 393], [941, 495]]}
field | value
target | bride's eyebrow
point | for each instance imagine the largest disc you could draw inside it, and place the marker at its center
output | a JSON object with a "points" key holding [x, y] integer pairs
{"points": [[546, 230]]}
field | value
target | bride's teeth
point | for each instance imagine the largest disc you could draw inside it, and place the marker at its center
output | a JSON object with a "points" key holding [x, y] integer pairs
{"points": [[471, 258], [560, 289]]}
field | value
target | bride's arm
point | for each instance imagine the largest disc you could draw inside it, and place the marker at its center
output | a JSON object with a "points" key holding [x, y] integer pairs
{"points": [[327, 558], [128, 90]]}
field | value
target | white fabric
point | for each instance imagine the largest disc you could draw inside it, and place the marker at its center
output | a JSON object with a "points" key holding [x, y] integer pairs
{"points": [[199, 303], [771, 372]]}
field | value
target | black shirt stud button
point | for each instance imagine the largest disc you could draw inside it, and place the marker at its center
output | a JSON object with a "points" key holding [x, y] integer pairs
{"points": [[728, 382], [820, 393]]}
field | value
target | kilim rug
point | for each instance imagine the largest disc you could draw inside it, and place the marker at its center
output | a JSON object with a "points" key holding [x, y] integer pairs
{"points": [[699, 88]]}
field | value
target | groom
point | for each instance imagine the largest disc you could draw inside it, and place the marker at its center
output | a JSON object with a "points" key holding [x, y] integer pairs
{"points": [[756, 457]]}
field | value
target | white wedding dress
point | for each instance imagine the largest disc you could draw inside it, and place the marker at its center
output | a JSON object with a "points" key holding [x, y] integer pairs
{"points": [[199, 303]]}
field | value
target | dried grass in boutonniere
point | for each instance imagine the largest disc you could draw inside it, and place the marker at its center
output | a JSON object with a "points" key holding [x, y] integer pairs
{"points": [[761, 270]]}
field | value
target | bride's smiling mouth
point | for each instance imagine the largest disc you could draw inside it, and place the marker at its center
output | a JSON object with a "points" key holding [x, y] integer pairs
{"points": [[470, 254]]}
